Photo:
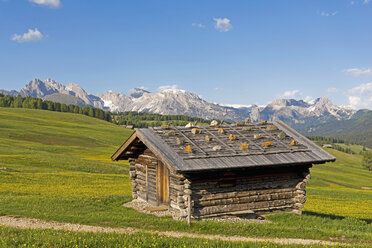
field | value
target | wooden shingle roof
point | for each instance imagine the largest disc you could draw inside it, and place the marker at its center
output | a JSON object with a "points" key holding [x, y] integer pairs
{"points": [[224, 148]]}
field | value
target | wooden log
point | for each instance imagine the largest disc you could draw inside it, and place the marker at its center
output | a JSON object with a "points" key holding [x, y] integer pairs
{"points": [[266, 205], [189, 211], [298, 205], [297, 212], [301, 185], [147, 183], [248, 186], [300, 198], [254, 198], [187, 192], [180, 199], [177, 187], [231, 192], [132, 175]]}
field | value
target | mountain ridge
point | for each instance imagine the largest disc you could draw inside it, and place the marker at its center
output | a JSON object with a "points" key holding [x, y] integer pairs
{"points": [[297, 113]]}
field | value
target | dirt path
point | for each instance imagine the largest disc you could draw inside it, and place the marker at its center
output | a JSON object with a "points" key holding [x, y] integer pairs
{"points": [[21, 222]]}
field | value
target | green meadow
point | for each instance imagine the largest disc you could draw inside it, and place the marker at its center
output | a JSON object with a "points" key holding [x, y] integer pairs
{"points": [[10, 237], [56, 166]]}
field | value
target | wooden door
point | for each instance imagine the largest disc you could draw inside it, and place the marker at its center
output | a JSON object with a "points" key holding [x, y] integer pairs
{"points": [[162, 183]]}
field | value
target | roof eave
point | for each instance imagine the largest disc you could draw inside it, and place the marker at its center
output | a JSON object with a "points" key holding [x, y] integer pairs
{"points": [[124, 147]]}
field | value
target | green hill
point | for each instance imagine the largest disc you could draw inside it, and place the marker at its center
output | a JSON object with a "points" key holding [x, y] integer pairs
{"points": [[34, 140], [358, 129], [56, 166]]}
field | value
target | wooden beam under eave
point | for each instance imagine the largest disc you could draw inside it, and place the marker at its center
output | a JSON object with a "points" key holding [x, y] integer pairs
{"points": [[124, 147]]}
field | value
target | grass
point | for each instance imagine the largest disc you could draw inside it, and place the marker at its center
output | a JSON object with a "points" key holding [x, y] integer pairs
{"points": [[58, 167], [355, 148], [10, 237]]}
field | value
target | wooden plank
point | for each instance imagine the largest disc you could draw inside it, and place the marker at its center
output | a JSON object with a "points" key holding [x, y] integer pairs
{"points": [[189, 210], [147, 184], [277, 140], [161, 150], [188, 139], [123, 147], [247, 139], [244, 154], [219, 140], [166, 183], [325, 156], [158, 184]]}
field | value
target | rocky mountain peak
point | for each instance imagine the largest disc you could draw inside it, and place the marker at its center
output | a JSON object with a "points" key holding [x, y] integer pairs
{"points": [[289, 102], [138, 92], [38, 88], [323, 101], [173, 101]]}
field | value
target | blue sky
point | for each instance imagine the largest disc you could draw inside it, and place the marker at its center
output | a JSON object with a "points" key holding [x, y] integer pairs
{"points": [[236, 52]]}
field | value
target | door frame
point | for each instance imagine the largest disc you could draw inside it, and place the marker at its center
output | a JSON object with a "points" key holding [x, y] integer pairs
{"points": [[162, 184]]}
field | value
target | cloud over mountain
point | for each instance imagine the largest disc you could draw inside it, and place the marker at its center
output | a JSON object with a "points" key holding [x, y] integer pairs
{"points": [[361, 96]]}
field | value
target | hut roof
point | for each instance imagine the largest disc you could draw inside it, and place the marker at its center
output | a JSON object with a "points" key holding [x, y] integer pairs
{"points": [[227, 146]]}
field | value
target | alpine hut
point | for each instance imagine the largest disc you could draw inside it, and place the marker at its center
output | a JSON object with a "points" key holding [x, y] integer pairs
{"points": [[208, 171]]}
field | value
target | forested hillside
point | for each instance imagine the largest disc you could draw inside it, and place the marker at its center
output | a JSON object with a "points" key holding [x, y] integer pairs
{"points": [[134, 119], [358, 129]]}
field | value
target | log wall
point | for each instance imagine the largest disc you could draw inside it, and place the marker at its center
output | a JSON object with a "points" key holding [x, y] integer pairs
{"points": [[215, 193], [221, 193], [144, 184]]}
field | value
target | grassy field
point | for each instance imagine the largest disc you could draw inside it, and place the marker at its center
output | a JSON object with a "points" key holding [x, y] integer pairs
{"points": [[10, 237], [355, 148], [56, 166]]}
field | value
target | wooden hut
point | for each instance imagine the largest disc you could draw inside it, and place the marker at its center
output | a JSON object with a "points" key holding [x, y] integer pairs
{"points": [[221, 170]]}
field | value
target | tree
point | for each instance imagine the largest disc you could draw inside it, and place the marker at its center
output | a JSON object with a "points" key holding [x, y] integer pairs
{"points": [[86, 110], [76, 109], [50, 106], [57, 106], [367, 160], [91, 112], [71, 108], [18, 102], [64, 107], [39, 104]]}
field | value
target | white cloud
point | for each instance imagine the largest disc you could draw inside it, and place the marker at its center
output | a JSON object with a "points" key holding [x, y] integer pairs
{"points": [[31, 35], [308, 99], [198, 25], [361, 96], [291, 94], [354, 102], [222, 24], [49, 3], [332, 90], [363, 89], [359, 71], [352, 2], [218, 89], [167, 87], [327, 14]]}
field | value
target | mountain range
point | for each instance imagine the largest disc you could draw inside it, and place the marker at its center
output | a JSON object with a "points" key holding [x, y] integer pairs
{"points": [[298, 113]]}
